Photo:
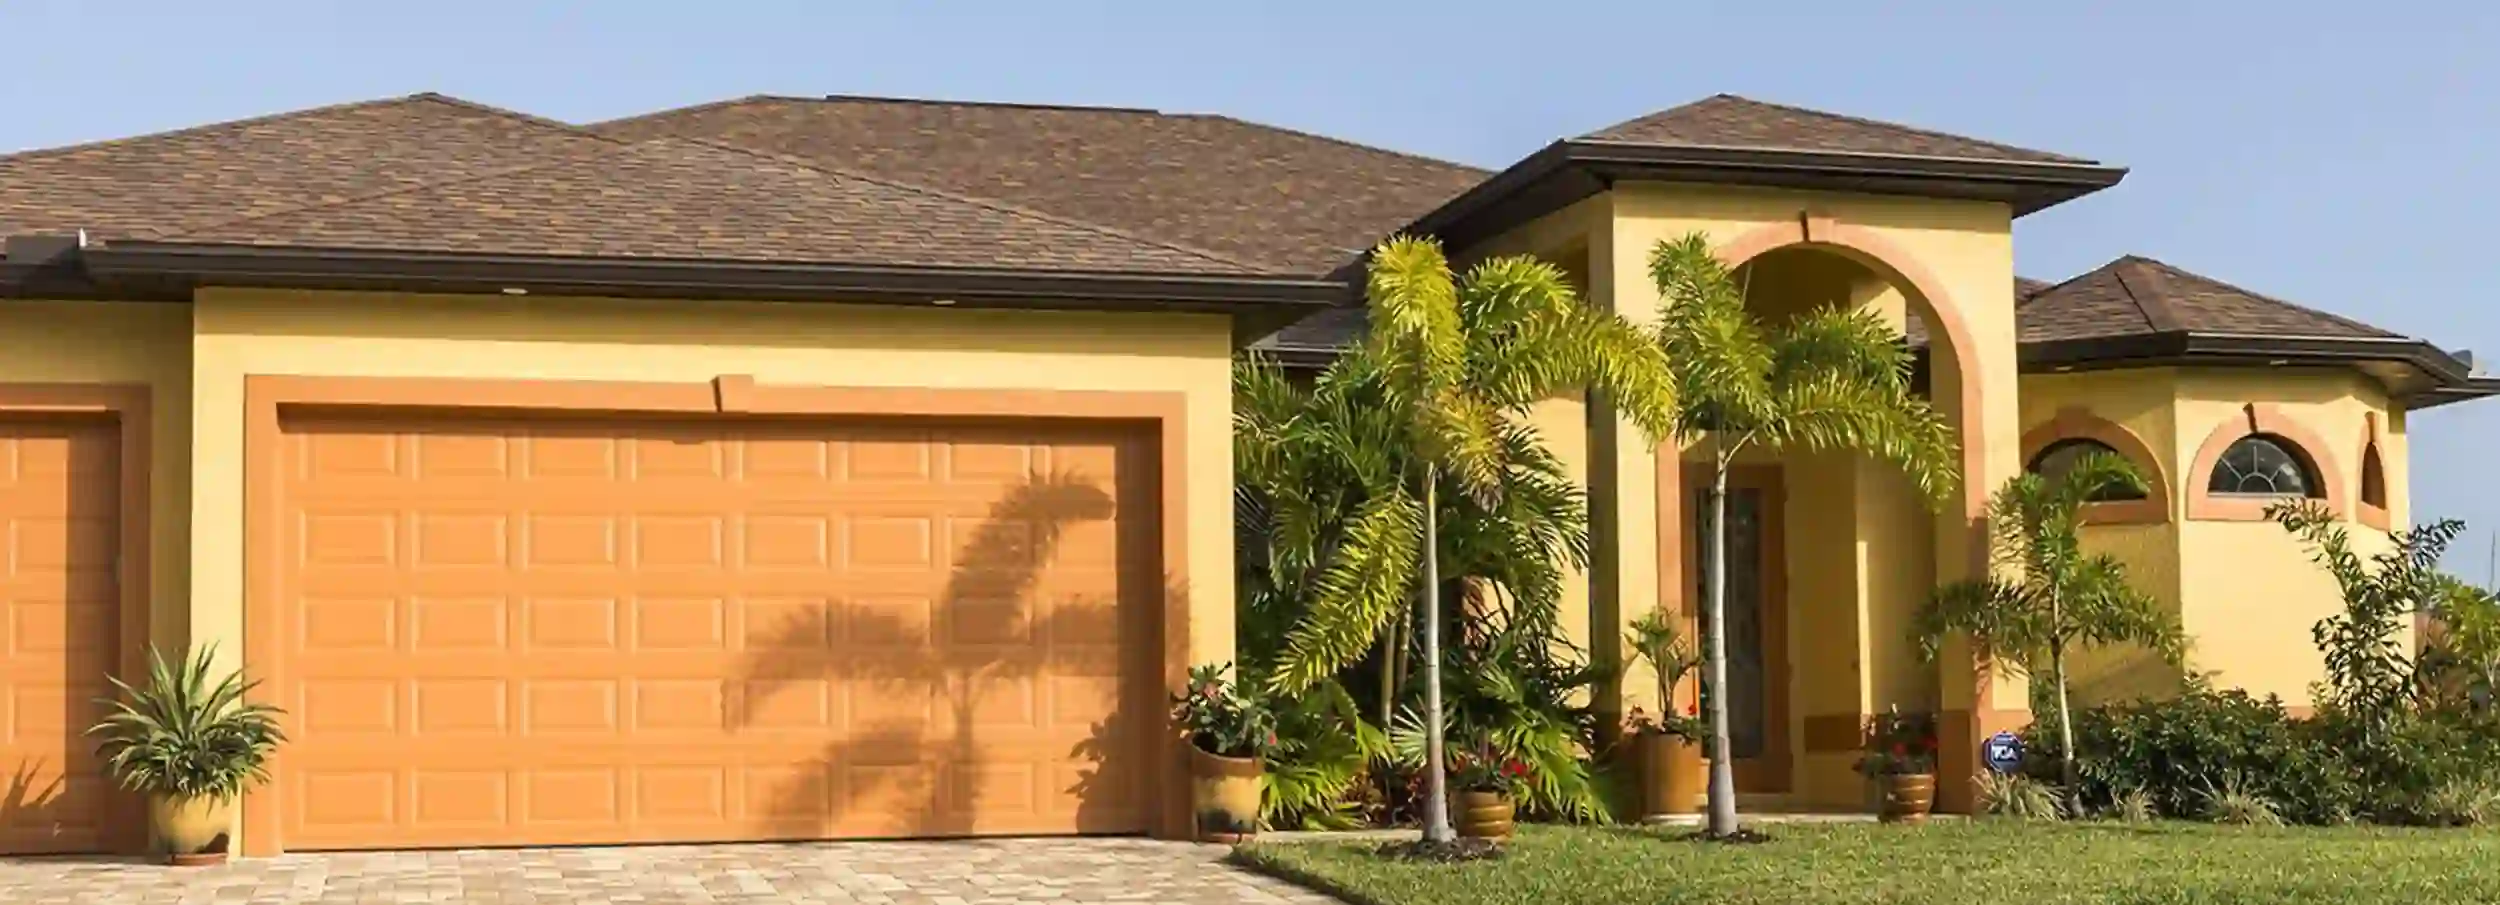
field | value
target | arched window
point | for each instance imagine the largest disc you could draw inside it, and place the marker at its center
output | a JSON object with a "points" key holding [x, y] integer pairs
{"points": [[2264, 465], [2373, 478], [2057, 458]]}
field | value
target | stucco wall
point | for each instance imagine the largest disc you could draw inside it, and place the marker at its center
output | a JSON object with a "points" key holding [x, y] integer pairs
{"points": [[2143, 403], [124, 343]]}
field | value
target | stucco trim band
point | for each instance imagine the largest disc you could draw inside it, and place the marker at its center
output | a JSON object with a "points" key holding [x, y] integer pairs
{"points": [[265, 396], [2254, 419], [2078, 423], [127, 406]]}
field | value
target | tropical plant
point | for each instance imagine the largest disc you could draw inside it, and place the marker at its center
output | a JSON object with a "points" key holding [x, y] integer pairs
{"points": [[2232, 803], [1460, 361], [2045, 597], [1899, 744], [1509, 699], [1832, 379], [1224, 717], [2460, 660], [2370, 678], [1654, 639], [1323, 750], [2016, 795], [2134, 806], [1483, 769], [185, 734]]}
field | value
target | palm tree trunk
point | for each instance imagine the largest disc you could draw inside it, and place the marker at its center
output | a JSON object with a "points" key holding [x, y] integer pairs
{"points": [[1436, 778], [1393, 646], [1722, 766], [2066, 771]]}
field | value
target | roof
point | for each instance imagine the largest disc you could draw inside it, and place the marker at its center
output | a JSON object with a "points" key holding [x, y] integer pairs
{"points": [[173, 180], [1284, 200], [1729, 121], [685, 199], [2136, 295]]}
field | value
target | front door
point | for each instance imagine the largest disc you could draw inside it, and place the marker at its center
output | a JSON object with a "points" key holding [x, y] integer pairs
{"points": [[1757, 616]]}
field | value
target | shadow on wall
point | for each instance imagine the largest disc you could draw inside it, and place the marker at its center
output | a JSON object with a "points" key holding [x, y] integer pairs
{"points": [[947, 706]]}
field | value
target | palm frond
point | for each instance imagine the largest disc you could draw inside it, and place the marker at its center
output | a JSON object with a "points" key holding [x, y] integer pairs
{"points": [[1362, 590]]}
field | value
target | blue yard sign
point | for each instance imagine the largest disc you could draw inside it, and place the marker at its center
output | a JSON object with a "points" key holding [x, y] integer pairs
{"points": [[2002, 752]]}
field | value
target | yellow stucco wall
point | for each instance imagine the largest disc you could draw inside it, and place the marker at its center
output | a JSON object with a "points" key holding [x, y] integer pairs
{"points": [[2144, 403], [123, 343]]}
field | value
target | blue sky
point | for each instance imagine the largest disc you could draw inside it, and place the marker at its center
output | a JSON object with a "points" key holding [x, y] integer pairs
{"points": [[2336, 155]]}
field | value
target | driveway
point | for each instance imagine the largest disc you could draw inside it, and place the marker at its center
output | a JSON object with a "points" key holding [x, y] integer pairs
{"points": [[1001, 872]]}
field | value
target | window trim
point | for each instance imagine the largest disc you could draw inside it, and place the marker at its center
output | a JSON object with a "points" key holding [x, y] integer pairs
{"points": [[2075, 422], [2270, 421]]}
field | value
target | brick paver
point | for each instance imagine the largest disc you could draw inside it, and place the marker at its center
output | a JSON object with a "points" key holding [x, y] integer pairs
{"points": [[987, 872]]}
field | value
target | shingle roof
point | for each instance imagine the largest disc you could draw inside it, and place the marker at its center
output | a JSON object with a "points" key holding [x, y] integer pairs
{"points": [[173, 180], [689, 199], [1286, 200], [1729, 121], [2135, 295]]}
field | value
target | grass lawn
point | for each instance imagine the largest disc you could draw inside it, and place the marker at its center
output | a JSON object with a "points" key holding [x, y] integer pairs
{"points": [[1974, 862]]}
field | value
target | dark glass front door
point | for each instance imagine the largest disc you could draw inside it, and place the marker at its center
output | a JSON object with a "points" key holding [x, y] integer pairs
{"points": [[1757, 632]]}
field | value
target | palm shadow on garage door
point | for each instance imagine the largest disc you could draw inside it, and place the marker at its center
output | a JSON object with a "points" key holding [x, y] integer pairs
{"points": [[1021, 701]]}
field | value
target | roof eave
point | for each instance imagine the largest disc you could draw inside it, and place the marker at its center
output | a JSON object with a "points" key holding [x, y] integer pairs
{"points": [[180, 267], [1567, 171], [2447, 378]]}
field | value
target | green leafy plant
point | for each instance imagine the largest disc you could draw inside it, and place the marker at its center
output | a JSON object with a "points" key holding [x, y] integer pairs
{"points": [[2172, 751], [1899, 744], [2460, 660], [2135, 806], [188, 733], [2466, 798], [1322, 756], [2369, 675], [1654, 640], [1516, 704], [1460, 360], [2233, 804], [1483, 769], [1832, 379], [2045, 597], [1223, 717], [2017, 796]]}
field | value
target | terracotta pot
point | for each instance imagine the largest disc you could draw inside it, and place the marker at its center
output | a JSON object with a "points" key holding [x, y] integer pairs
{"points": [[1484, 815], [1674, 775], [1909, 797], [189, 827], [1224, 796]]}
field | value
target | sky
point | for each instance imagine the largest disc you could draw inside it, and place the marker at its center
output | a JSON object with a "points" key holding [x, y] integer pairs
{"points": [[2334, 155]]}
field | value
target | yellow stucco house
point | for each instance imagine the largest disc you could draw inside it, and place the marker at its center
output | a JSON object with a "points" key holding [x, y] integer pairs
{"points": [[841, 467]]}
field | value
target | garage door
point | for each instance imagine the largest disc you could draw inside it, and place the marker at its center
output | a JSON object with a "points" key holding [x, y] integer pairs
{"points": [[569, 632], [60, 633]]}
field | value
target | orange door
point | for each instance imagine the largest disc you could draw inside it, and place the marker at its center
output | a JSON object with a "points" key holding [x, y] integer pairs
{"points": [[565, 631], [60, 634]]}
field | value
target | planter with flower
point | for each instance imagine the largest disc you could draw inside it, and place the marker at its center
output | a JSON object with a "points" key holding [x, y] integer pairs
{"points": [[1229, 727], [1485, 780], [192, 745], [1901, 756], [1669, 745]]}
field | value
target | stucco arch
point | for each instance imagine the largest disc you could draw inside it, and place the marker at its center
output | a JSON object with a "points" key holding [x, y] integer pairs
{"points": [[1936, 308], [2078, 423], [2269, 419], [2365, 509]]}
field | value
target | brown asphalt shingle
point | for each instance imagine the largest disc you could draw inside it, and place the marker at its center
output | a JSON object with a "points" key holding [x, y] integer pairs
{"points": [[2135, 295], [1285, 200], [1729, 121], [688, 199], [173, 180]]}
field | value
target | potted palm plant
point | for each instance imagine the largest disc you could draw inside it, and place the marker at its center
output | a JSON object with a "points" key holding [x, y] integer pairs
{"points": [[1901, 755], [1670, 744], [1485, 781], [1228, 728], [192, 745]]}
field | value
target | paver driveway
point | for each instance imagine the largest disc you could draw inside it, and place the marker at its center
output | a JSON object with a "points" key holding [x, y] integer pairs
{"points": [[1003, 872]]}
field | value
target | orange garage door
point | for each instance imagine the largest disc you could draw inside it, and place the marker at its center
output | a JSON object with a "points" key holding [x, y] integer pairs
{"points": [[564, 632], [59, 634]]}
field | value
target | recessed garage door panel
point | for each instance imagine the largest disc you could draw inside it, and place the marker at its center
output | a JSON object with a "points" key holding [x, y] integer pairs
{"points": [[552, 632], [60, 635]]}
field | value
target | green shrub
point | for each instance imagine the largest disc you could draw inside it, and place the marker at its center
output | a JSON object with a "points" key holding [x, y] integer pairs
{"points": [[2134, 806], [2017, 796], [2232, 803], [2175, 752]]}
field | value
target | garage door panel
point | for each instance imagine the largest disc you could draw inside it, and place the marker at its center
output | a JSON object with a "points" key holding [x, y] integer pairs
{"points": [[60, 632], [578, 632]]}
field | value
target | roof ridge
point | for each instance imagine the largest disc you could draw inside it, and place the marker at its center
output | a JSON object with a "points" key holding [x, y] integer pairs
{"points": [[2154, 301], [722, 103], [40, 153], [2175, 270], [507, 113], [1331, 139], [612, 148], [991, 203], [1889, 124], [942, 102]]}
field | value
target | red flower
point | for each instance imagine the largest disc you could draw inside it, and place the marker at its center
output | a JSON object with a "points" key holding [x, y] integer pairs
{"points": [[1900, 750], [1515, 769], [1692, 710], [1271, 739]]}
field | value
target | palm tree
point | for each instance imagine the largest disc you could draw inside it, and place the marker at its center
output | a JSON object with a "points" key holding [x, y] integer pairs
{"points": [[1456, 364], [2045, 597], [1832, 379]]}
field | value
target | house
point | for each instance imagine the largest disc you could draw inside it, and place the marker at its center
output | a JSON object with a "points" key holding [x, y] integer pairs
{"points": [[848, 467]]}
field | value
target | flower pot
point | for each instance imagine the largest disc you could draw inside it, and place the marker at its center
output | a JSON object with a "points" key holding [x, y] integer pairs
{"points": [[1674, 776], [1908, 797], [1224, 796], [1484, 815], [189, 827]]}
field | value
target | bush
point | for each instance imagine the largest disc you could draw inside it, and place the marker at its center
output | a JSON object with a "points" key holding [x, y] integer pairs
{"points": [[2017, 796], [2176, 752]]}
